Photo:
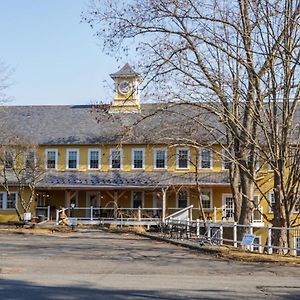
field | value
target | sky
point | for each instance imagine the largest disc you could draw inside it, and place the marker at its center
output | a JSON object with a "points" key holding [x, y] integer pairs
{"points": [[55, 58]]}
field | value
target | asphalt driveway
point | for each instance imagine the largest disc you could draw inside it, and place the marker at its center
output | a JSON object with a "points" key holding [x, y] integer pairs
{"points": [[102, 265]]}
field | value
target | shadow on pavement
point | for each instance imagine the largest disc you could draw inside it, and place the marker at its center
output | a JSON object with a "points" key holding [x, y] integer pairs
{"points": [[20, 290]]}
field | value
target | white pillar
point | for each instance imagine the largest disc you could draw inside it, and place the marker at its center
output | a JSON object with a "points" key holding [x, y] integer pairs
{"points": [[235, 244], [91, 213], [164, 192], [48, 213]]}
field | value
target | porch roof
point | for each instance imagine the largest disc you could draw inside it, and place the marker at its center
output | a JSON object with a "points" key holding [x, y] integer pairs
{"points": [[122, 179]]}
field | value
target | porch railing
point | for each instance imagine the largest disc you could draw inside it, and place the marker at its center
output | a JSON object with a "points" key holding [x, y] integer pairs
{"points": [[43, 211]]}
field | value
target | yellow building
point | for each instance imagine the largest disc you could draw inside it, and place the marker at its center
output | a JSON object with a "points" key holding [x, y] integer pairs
{"points": [[111, 161]]}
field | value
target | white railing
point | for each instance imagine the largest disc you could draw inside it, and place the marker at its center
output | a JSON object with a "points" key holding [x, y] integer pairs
{"points": [[111, 214], [43, 211], [227, 233]]}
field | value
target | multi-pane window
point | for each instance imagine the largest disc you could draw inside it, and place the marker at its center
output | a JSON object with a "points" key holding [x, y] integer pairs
{"points": [[256, 244], [205, 159], [182, 158], [271, 201], [137, 199], [9, 159], [160, 159], [30, 159], [72, 159], [256, 214], [182, 199], [94, 159], [228, 211], [138, 159], [297, 245], [115, 159], [11, 200], [51, 157], [225, 160], [1, 200], [206, 199], [8, 200]]}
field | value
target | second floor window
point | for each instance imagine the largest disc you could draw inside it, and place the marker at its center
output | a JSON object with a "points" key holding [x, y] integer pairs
{"points": [[72, 159], [206, 199], [51, 159], [160, 159], [94, 159], [9, 159], [138, 159], [182, 158], [205, 159], [225, 160], [115, 159], [30, 159]]}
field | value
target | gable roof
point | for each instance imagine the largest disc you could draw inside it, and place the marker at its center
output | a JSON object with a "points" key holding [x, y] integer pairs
{"points": [[87, 124], [125, 71]]}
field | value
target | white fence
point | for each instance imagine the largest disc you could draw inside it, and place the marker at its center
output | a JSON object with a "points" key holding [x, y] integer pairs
{"points": [[227, 233], [43, 212]]}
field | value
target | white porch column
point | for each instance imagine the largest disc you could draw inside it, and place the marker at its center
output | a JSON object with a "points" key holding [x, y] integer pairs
{"points": [[164, 204]]}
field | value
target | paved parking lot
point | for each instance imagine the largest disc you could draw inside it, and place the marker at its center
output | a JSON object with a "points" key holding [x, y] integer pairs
{"points": [[102, 265]]}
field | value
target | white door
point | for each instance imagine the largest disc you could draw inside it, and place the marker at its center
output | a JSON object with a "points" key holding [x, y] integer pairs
{"points": [[228, 207]]}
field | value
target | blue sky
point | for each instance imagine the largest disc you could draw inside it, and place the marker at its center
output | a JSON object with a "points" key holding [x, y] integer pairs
{"points": [[56, 59]]}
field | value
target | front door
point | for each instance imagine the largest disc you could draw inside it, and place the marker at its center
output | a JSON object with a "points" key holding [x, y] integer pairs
{"points": [[228, 208], [92, 199], [157, 204]]}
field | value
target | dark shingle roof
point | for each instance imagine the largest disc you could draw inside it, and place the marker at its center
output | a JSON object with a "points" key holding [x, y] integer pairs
{"points": [[119, 179], [125, 71], [85, 124]]}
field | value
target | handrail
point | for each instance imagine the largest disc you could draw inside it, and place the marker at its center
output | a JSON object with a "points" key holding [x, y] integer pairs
{"points": [[180, 212]]}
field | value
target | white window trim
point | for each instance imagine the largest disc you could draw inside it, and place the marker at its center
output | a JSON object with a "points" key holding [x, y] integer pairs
{"points": [[13, 152], [110, 158], [211, 159], [224, 196], [143, 198], [56, 158], [77, 159], [177, 158], [188, 197], [89, 158], [211, 197], [154, 158], [143, 158], [260, 208], [35, 158], [223, 162], [5, 201]]}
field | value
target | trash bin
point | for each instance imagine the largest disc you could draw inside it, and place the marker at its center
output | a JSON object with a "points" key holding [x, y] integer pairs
{"points": [[41, 218]]}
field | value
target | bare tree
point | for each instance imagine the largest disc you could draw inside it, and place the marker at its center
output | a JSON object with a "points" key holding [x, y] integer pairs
{"points": [[215, 55], [21, 171]]}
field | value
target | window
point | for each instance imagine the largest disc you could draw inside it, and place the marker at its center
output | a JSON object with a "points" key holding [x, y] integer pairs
{"points": [[8, 201], [115, 159], [160, 159], [137, 199], [271, 201], [297, 245], [228, 208], [9, 159], [182, 199], [94, 159], [72, 159], [256, 214], [205, 159], [51, 159], [206, 199], [225, 160], [138, 158], [182, 158], [297, 206], [30, 159]]}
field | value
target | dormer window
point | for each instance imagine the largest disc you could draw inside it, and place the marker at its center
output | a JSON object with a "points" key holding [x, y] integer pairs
{"points": [[51, 158], [138, 158], [182, 158], [116, 159], [72, 159]]}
